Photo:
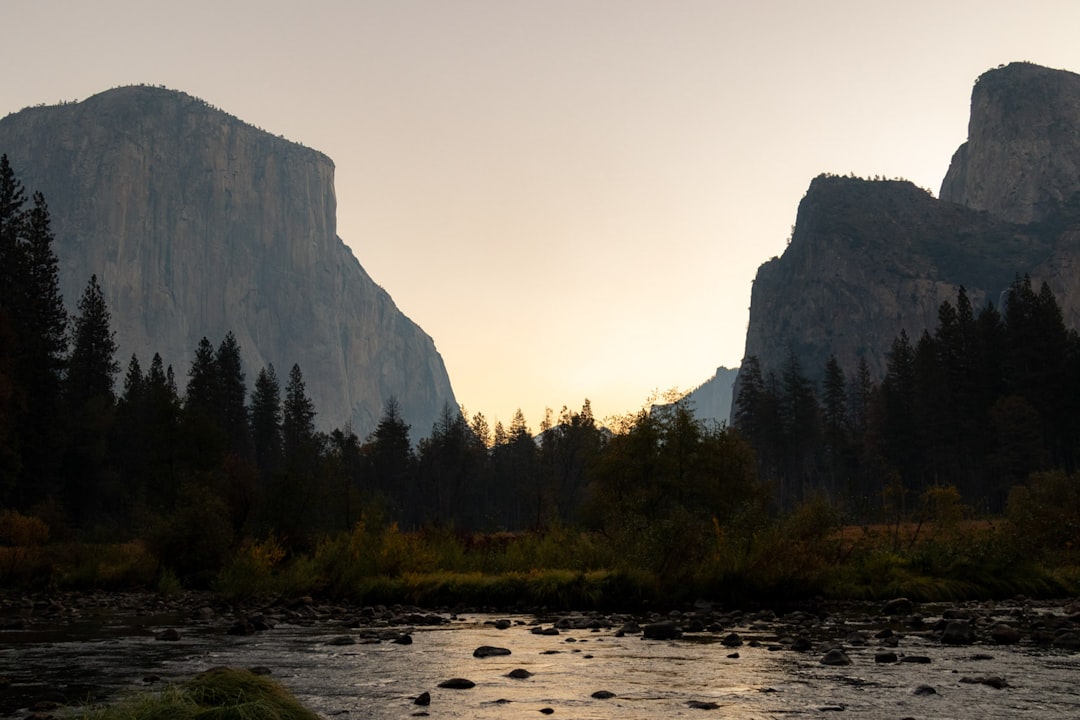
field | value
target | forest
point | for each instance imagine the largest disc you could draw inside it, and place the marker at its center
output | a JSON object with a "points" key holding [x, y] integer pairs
{"points": [[955, 472]]}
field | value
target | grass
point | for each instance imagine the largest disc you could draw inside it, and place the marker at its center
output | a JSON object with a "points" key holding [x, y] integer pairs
{"points": [[217, 694]]}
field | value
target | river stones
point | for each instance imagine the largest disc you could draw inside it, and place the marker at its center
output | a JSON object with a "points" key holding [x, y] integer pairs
{"points": [[924, 690], [423, 699], [519, 674], [958, 633], [1004, 634], [486, 651], [731, 640], [898, 606], [701, 705], [836, 656], [917, 659], [991, 681], [802, 644], [342, 640], [1067, 640], [603, 695], [457, 684], [663, 630], [885, 657], [168, 635]]}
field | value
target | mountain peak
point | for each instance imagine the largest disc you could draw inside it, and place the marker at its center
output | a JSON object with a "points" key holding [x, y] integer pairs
{"points": [[1021, 161], [199, 224]]}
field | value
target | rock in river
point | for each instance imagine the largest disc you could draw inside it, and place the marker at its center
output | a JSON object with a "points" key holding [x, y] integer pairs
{"points": [[485, 651], [457, 684], [836, 656]]}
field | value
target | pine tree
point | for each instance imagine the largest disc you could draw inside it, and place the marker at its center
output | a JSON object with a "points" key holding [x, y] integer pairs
{"points": [[837, 428], [232, 394], [266, 423], [92, 366], [297, 421], [390, 457], [204, 441], [35, 323], [90, 402]]}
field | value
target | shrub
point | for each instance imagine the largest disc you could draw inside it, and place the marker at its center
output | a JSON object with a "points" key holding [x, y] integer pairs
{"points": [[218, 694], [22, 537]]}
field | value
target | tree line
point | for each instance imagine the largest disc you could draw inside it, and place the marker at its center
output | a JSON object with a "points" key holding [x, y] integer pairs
{"points": [[196, 464], [980, 403]]}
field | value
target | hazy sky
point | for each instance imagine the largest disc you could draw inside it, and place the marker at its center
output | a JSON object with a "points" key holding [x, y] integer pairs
{"points": [[571, 197]]}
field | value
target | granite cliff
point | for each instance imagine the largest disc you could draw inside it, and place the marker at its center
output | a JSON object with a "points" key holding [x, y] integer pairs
{"points": [[869, 258], [711, 400], [198, 224]]}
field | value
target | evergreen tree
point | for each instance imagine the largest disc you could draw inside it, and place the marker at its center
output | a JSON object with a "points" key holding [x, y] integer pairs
{"points": [[35, 322], [390, 459], [297, 420], [344, 469], [898, 398], [516, 469], [90, 402], [836, 429], [566, 451], [161, 427], [204, 441], [444, 470], [232, 395], [799, 418], [266, 423], [297, 494], [92, 366]]}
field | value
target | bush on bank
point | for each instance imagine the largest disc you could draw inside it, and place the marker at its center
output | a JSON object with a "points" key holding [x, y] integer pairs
{"points": [[217, 694], [937, 554]]}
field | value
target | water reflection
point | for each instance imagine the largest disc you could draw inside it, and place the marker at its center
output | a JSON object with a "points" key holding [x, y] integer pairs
{"points": [[649, 679]]}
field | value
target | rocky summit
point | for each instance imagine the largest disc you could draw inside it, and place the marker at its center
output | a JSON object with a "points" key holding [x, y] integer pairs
{"points": [[197, 224], [869, 258]]}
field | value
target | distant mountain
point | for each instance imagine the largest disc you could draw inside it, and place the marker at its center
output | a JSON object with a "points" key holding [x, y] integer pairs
{"points": [[711, 401], [869, 258], [198, 224]]}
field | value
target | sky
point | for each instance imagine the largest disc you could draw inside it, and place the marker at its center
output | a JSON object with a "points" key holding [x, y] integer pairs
{"points": [[572, 197]]}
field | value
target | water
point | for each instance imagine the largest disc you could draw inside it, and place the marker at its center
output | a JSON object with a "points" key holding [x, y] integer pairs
{"points": [[649, 679]]}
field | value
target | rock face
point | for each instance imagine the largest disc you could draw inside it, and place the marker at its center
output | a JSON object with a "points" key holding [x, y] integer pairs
{"points": [[198, 224], [712, 399], [1021, 161], [868, 259]]}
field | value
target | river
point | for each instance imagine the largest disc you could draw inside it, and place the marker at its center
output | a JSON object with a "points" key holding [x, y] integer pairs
{"points": [[692, 676]]}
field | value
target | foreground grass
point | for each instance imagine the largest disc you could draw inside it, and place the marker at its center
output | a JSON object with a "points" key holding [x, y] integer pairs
{"points": [[218, 694]]}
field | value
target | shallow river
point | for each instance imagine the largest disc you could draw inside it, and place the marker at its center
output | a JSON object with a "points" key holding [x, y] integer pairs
{"points": [[649, 679]]}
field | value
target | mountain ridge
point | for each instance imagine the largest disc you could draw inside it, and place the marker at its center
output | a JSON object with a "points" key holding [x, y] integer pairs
{"points": [[869, 258], [198, 224]]}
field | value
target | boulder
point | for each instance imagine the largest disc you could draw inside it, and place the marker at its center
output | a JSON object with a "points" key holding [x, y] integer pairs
{"points": [[1067, 640], [486, 651], [731, 640], [898, 606], [663, 630], [1004, 634], [457, 684], [958, 633], [836, 656]]}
